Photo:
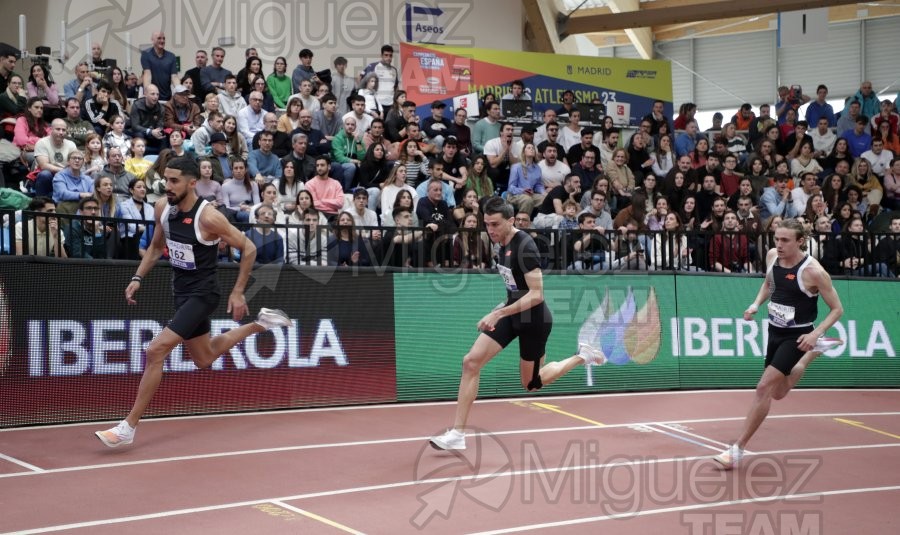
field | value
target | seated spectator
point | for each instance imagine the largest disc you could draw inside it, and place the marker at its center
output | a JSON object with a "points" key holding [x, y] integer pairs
{"points": [[471, 249], [121, 177], [250, 119], [116, 137], [856, 252], [290, 121], [328, 192], [264, 165], [858, 139], [327, 120], [87, 237], [730, 250], [825, 247], [403, 245], [776, 200], [487, 128], [230, 100], [621, 179], [363, 216], [823, 139], [878, 158], [240, 191], [206, 187], [103, 192], [44, 236], [101, 109], [435, 215], [862, 176], [670, 247], [200, 139], [236, 146], [550, 212], [347, 247], [887, 114], [307, 246], [82, 86], [631, 248], [664, 157], [51, 154], [281, 142], [795, 140], [137, 165], [268, 242], [30, 127], [94, 154], [395, 184], [589, 245], [890, 140], [147, 120], [526, 188], [887, 252], [70, 185], [181, 114], [596, 206], [280, 85], [891, 200], [268, 195], [347, 151], [13, 101], [478, 179], [687, 141], [805, 161], [41, 86]]}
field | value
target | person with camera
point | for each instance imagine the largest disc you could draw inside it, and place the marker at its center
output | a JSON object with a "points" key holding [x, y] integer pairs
{"points": [[789, 99]]}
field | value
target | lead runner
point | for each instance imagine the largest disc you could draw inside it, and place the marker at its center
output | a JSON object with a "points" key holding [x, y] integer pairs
{"points": [[794, 280], [524, 316], [191, 229]]}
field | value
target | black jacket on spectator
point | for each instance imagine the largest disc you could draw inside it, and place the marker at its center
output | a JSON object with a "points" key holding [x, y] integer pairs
{"points": [[281, 143], [304, 168], [144, 117], [314, 146]]}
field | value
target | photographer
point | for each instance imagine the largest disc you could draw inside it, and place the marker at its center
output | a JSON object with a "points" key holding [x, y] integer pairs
{"points": [[789, 99]]}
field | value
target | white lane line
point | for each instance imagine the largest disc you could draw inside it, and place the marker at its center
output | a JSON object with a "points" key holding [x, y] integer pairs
{"points": [[692, 507], [401, 484], [409, 439], [318, 518], [21, 463], [404, 405]]}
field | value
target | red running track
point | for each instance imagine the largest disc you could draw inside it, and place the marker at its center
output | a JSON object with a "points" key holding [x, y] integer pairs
{"points": [[826, 461]]}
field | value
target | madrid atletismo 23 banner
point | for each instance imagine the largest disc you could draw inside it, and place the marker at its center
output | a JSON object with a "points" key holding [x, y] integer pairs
{"points": [[433, 72]]}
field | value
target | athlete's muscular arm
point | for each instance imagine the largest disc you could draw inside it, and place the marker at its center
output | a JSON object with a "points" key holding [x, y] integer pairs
{"points": [[154, 251], [819, 279], [213, 222], [764, 290], [535, 296]]}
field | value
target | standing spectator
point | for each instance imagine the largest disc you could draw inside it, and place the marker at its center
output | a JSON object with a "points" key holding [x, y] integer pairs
{"points": [[212, 77], [657, 118], [304, 70], [868, 100], [160, 67], [789, 100], [820, 109], [200, 59], [388, 76], [342, 85]]}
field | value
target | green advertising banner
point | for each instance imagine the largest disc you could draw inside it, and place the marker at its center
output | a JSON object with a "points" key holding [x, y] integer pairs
{"points": [[659, 331]]}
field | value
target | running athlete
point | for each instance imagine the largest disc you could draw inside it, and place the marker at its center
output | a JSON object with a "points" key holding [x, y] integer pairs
{"points": [[524, 316], [191, 230], [794, 281]]}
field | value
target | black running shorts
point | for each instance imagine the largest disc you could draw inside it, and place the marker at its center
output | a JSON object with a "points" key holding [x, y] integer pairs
{"points": [[532, 327], [782, 352], [192, 315]]}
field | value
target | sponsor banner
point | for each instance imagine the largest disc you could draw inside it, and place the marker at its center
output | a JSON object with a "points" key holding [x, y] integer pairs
{"points": [[659, 332], [74, 351], [432, 72]]}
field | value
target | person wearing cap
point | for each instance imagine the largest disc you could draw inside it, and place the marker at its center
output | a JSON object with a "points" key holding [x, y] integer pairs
{"points": [[221, 163], [437, 126], [776, 200], [181, 114]]}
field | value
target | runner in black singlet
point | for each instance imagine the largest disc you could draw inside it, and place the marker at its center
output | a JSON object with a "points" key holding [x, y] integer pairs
{"points": [[794, 281], [524, 315], [191, 230]]}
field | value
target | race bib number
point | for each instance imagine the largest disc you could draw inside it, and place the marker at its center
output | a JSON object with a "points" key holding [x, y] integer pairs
{"points": [[508, 278], [181, 255], [781, 315]]}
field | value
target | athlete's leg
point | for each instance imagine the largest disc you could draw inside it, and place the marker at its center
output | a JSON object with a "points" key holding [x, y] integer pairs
{"points": [[205, 349], [549, 372], [796, 374], [157, 351], [771, 380], [483, 350]]}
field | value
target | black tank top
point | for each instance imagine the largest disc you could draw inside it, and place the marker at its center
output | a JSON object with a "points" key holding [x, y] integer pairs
{"points": [[517, 258], [193, 259], [791, 304]]}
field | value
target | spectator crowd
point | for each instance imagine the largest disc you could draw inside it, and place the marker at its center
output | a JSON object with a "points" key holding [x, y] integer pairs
{"points": [[324, 166]]}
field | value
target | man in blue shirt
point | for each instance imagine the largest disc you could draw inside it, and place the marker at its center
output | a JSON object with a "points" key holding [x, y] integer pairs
{"points": [[819, 108], [687, 140], [262, 163], [160, 67], [859, 139]]}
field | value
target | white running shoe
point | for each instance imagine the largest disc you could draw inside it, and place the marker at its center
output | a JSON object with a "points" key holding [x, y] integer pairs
{"points": [[824, 343], [591, 355], [730, 457], [451, 440], [119, 435], [271, 318]]}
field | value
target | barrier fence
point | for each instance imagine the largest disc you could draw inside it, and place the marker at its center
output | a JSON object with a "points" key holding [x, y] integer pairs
{"points": [[72, 350]]}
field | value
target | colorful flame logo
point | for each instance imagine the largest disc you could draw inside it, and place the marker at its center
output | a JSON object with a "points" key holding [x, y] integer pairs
{"points": [[627, 333]]}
